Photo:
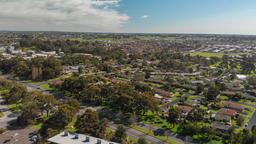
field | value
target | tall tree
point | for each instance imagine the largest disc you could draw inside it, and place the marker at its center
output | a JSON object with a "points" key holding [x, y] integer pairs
{"points": [[120, 134], [88, 123], [173, 115]]}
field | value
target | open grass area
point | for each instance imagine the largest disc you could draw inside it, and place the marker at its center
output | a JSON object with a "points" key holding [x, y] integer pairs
{"points": [[46, 87], [1, 114], [37, 126], [161, 138], [33, 82], [193, 97], [211, 54], [222, 97], [158, 122], [14, 107]]}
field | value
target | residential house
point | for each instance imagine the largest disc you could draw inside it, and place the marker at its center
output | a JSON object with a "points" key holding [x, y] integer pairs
{"points": [[234, 106], [184, 110], [162, 92], [220, 126], [228, 112]]}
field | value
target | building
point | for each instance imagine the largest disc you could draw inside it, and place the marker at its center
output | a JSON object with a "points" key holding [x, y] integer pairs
{"points": [[162, 92], [184, 109], [234, 106], [73, 138], [223, 118], [220, 126], [228, 112]]}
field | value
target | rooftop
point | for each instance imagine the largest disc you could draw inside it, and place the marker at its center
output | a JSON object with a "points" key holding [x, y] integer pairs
{"points": [[69, 138], [228, 112], [233, 105]]}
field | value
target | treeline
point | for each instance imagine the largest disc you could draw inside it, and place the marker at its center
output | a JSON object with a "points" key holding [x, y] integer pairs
{"points": [[49, 67], [124, 97]]}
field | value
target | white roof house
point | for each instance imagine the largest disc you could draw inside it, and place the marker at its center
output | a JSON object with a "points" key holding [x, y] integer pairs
{"points": [[72, 138]]}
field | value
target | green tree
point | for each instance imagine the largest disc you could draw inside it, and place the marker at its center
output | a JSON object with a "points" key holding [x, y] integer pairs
{"points": [[21, 69], [45, 102], [52, 67], [74, 103], [120, 134], [17, 93], [88, 123], [61, 118], [212, 93], [142, 140], [173, 115], [29, 112]]}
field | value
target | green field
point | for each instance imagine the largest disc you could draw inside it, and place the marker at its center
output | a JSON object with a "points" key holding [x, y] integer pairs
{"points": [[1, 114], [46, 87], [211, 54], [161, 138]]}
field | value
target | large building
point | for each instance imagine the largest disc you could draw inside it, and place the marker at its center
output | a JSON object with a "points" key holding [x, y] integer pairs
{"points": [[73, 138]]}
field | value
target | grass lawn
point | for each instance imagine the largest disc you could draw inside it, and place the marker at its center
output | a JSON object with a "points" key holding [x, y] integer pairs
{"points": [[33, 82], [222, 97], [152, 84], [46, 87], [247, 102], [215, 142], [1, 114], [158, 122], [14, 107], [193, 97], [211, 54], [37, 126], [161, 138]]}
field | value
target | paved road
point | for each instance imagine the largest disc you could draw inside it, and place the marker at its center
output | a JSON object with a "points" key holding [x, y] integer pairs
{"points": [[8, 114], [137, 134]]}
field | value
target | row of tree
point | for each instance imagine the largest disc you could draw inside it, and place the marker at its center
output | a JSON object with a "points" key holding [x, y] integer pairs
{"points": [[124, 97], [44, 68]]}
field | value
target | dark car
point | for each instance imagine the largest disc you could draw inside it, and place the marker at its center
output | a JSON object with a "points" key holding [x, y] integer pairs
{"points": [[159, 132]]}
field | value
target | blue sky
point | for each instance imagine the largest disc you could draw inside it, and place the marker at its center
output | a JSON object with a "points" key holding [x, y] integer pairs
{"points": [[192, 16], [147, 16]]}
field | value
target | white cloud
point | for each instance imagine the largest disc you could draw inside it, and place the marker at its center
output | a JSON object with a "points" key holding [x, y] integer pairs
{"points": [[62, 15], [145, 16]]}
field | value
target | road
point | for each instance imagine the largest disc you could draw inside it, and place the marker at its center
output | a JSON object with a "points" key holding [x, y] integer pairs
{"points": [[137, 134], [8, 114]]}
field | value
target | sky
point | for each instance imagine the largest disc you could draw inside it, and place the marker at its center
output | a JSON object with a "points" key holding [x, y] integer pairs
{"points": [[130, 16]]}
